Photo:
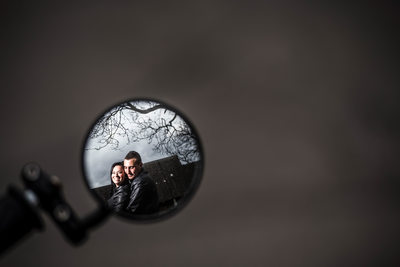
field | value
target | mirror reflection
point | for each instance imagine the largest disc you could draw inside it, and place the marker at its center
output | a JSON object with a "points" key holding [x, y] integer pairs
{"points": [[143, 159]]}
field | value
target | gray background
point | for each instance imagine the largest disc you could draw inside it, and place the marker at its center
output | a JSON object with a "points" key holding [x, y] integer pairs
{"points": [[296, 104]]}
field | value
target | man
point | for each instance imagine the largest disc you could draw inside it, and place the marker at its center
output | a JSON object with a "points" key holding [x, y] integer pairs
{"points": [[143, 196]]}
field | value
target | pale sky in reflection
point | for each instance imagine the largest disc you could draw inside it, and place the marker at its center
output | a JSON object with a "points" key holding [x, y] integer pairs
{"points": [[97, 163]]}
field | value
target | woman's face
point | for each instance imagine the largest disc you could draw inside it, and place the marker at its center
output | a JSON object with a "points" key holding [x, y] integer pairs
{"points": [[117, 175]]}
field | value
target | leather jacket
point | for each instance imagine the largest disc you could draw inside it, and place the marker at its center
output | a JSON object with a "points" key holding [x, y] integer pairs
{"points": [[120, 198], [144, 196]]}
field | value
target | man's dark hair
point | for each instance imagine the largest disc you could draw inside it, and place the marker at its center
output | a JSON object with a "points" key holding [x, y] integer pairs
{"points": [[134, 155]]}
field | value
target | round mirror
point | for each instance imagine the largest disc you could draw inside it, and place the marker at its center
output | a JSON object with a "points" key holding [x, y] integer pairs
{"points": [[143, 159]]}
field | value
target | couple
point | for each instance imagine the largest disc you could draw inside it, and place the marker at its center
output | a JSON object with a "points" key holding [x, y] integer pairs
{"points": [[132, 190]]}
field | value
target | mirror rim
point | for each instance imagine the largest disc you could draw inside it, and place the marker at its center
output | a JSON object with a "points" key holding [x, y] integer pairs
{"points": [[189, 193]]}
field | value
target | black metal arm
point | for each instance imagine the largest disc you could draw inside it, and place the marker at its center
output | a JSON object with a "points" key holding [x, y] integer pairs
{"points": [[19, 211]]}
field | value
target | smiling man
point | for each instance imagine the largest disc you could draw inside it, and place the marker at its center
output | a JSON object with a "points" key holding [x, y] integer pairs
{"points": [[144, 197]]}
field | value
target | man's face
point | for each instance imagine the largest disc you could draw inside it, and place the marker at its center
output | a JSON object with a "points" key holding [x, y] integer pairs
{"points": [[132, 168]]}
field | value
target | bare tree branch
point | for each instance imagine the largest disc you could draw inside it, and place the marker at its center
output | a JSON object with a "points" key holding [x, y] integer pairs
{"points": [[166, 133]]}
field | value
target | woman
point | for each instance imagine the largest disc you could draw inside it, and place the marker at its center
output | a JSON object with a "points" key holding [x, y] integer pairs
{"points": [[120, 189]]}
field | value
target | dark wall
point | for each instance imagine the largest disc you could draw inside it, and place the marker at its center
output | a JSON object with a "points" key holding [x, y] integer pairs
{"points": [[296, 104]]}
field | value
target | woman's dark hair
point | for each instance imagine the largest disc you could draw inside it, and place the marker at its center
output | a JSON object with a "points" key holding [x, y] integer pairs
{"points": [[119, 163]]}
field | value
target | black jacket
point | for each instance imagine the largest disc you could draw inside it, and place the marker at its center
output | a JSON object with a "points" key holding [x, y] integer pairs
{"points": [[144, 196], [120, 197]]}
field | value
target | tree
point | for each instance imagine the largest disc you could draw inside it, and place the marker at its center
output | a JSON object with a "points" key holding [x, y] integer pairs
{"points": [[154, 122]]}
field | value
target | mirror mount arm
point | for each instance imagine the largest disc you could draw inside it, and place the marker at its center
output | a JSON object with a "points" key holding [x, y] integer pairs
{"points": [[42, 191]]}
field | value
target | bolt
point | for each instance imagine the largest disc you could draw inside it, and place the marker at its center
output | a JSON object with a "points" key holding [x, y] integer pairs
{"points": [[31, 171], [55, 181], [62, 213]]}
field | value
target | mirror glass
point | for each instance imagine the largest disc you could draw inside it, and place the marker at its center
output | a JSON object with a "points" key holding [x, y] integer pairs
{"points": [[143, 159]]}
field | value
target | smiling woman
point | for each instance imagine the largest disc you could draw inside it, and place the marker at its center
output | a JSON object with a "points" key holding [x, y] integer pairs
{"points": [[157, 158], [119, 193]]}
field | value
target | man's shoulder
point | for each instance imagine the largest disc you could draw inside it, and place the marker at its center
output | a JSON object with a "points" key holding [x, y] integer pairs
{"points": [[142, 179], [143, 176]]}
